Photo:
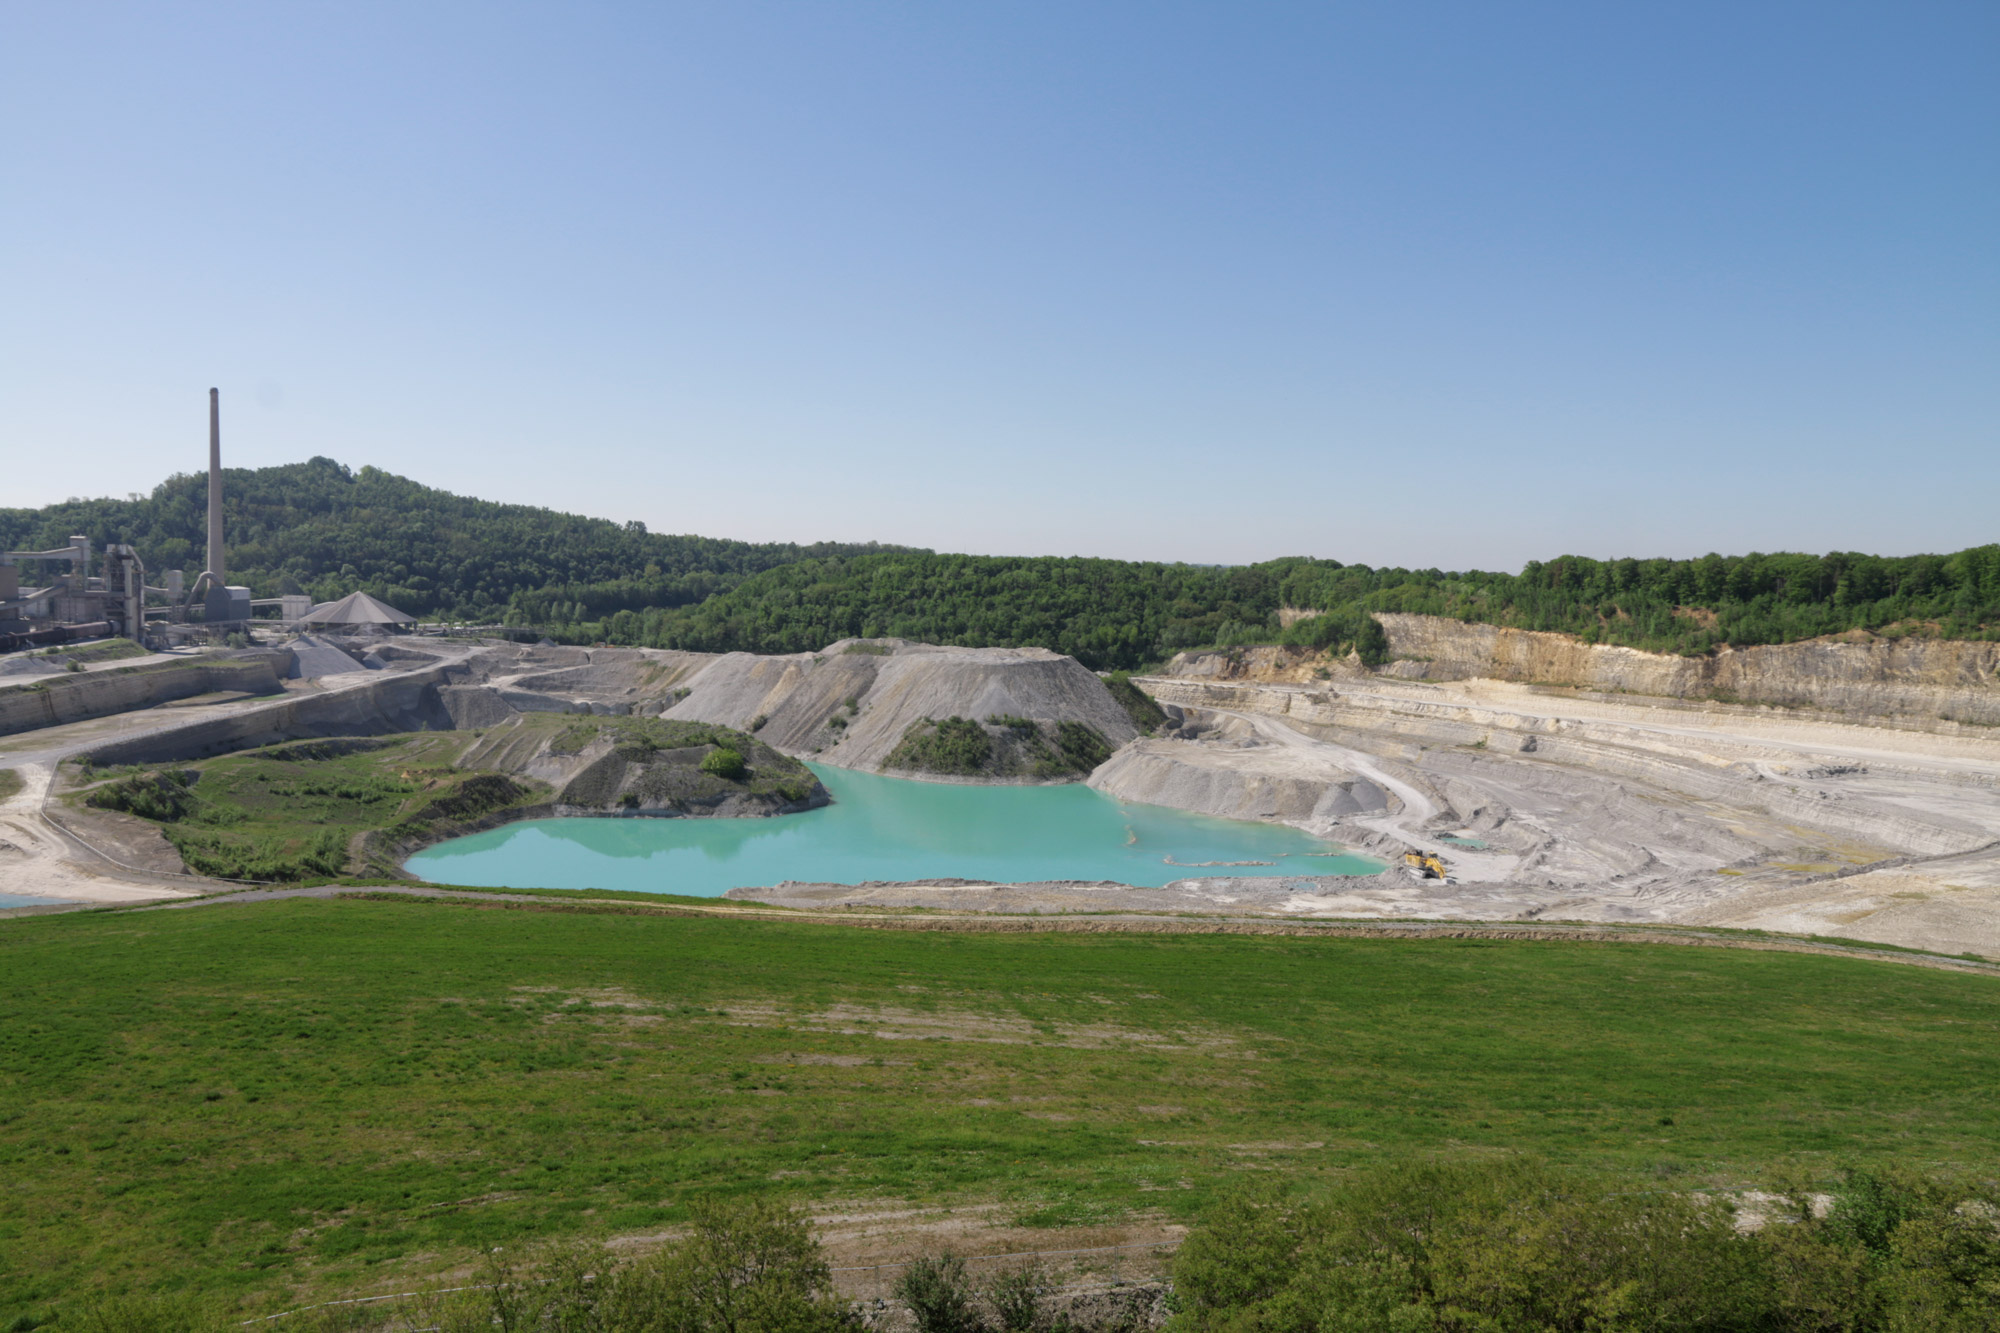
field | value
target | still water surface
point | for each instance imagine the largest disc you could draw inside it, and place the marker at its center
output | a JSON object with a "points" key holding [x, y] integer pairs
{"points": [[884, 829]]}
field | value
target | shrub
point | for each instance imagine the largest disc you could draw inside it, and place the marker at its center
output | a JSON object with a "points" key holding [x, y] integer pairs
{"points": [[745, 1267], [724, 763], [956, 745], [939, 1295], [164, 796], [1020, 1299]]}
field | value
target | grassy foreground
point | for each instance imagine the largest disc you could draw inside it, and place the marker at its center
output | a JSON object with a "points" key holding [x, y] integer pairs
{"points": [[266, 1101]]}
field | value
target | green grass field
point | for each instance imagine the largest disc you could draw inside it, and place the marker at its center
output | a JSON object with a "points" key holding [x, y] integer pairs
{"points": [[272, 1100]]}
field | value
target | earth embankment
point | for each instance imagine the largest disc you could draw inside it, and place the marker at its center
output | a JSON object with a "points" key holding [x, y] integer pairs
{"points": [[89, 694], [1236, 777]]}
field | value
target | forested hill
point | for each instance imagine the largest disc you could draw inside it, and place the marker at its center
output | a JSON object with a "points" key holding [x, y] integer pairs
{"points": [[318, 528], [1111, 614], [321, 529]]}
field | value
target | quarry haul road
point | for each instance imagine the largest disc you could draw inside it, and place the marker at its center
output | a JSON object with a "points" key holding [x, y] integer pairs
{"points": [[41, 857], [1107, 923]]}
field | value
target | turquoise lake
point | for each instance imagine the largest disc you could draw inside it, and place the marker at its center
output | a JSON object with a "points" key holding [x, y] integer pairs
{"points": [[885, 829]]}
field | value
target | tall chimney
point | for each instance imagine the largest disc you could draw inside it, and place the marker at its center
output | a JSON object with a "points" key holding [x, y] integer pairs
{"points": [[215, 488]]}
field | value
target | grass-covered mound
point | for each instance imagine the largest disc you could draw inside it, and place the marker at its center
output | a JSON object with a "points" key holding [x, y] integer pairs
{"points": [[294, 811], [277, 1099], [1002, 747], [663, 765]]}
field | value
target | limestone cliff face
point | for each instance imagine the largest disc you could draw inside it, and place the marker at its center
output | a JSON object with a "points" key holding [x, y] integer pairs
{"points": [[1914, 679], [1917, 678]]}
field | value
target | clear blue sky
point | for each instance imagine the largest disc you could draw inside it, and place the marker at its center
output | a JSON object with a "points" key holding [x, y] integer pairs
{"points": [[1428, 284]]}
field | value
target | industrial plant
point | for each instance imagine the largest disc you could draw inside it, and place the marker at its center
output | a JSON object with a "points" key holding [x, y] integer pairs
{"points": [[72, 593]]}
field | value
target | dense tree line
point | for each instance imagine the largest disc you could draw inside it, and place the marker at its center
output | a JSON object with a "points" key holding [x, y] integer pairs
{"points": [[1687, 606], [1103, 612], [1124, 614], [319, 528]]}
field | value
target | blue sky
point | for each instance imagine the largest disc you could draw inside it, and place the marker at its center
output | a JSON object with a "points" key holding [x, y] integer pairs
{"points": [[1452, 285]]}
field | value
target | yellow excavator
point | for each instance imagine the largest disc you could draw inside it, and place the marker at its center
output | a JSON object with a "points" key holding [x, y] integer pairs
{"points": [[1427, 865]]}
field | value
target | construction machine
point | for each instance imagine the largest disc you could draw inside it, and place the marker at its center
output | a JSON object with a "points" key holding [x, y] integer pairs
{"points": [[1427, 865]]}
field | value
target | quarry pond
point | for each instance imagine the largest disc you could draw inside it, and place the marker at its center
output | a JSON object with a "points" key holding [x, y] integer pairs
{"points": [[889, 829]]}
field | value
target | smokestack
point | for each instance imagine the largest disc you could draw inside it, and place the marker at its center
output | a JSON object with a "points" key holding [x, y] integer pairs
{"points": [[215, 488]]}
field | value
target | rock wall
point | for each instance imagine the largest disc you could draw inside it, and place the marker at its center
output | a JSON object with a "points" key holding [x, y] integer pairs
{"points": [[376, 706], [84, 695], [1912, 678]]}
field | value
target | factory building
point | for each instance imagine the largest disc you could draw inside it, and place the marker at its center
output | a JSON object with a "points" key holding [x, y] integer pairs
{"points": [[53, 596]]}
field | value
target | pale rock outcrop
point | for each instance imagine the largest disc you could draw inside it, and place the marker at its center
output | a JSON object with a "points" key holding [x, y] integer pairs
{"points": [[1910, 680]]}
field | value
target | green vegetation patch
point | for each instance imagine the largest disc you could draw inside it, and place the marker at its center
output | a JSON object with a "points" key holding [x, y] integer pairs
{"points": [[1004, 747], [665, 762], [1513, 1243], [955, 745], [293, 811], [108, 650], [10, 783], [725, 764], [1146, 715], [272, 1100]]}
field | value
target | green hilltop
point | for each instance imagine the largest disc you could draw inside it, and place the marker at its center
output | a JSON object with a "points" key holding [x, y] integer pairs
{"points": [[320, 528]]}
